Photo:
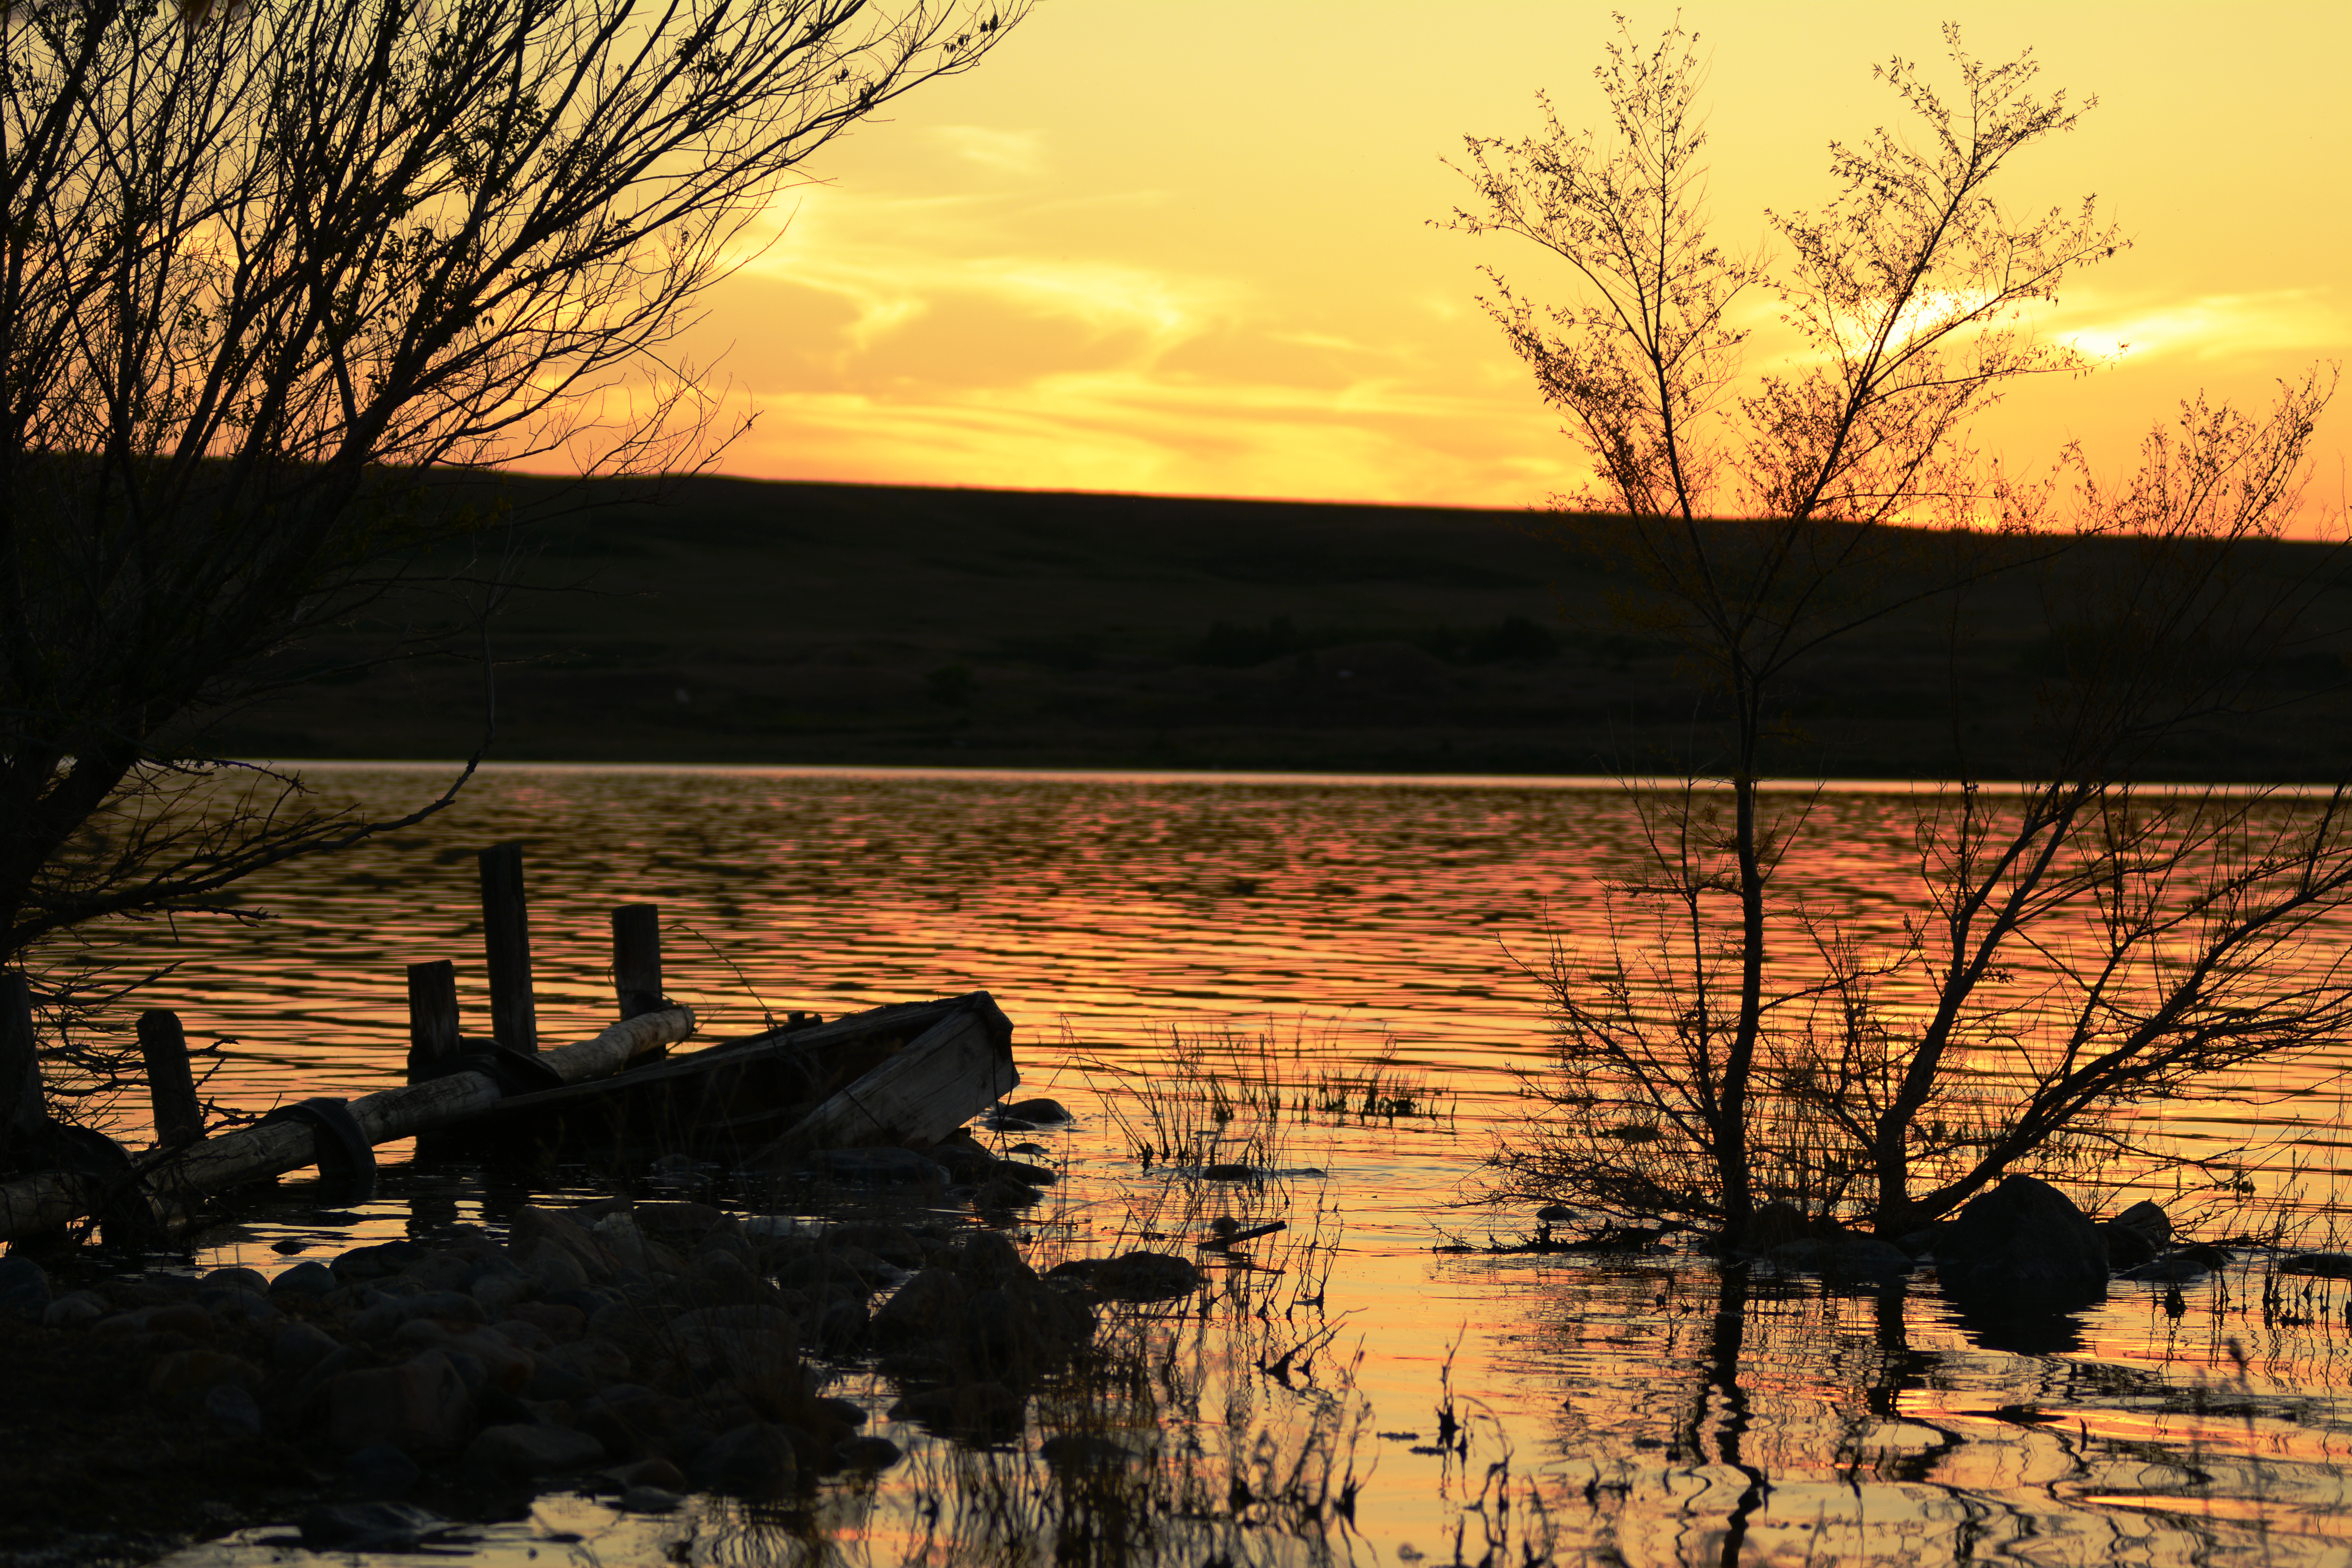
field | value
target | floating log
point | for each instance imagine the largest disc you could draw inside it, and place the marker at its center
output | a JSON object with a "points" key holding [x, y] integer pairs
{"points": [[45, 1202], [170, 1086]]}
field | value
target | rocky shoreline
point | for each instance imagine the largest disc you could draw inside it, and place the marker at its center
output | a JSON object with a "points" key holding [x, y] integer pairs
{"points": [[635, 1349]]}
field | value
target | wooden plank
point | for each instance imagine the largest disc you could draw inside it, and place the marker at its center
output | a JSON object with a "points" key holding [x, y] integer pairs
{"points": [[23, 1111], [950, 1074], [46, 1202]]}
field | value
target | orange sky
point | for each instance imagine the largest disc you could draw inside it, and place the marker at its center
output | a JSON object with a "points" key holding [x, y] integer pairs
{"points": [[1183, 247]]}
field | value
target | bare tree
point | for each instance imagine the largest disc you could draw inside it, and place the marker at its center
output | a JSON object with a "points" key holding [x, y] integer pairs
{"points": [[271, 268], [1729, 1039]]}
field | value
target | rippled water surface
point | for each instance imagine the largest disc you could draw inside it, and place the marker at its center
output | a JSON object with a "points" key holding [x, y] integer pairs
{"points": [[1651, 1409]]}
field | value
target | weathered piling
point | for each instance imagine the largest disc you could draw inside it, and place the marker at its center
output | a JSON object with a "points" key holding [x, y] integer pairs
{"points": [[170, 1086], [44, 1202], [506, 945], [638, 958], [23, 1113], [433, 1032]]}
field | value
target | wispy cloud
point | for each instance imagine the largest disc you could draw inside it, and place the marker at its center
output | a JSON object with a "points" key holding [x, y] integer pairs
{"points": [[1138, 431], [897, 259], [1021, 153], [1011, 333], [2209, 327]]}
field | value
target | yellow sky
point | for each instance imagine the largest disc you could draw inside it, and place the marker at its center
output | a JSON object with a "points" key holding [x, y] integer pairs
{"points": [[1184, 248]]}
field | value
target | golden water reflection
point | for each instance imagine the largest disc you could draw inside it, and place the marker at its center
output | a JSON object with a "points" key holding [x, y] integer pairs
{"points": [[1663, 1410]]}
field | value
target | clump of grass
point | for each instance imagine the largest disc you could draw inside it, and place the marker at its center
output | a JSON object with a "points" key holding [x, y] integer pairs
{"points": [[1232, 1096], [1375, 1090]]}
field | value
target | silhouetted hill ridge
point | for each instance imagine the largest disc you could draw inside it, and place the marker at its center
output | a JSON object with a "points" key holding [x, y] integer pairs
{"points": [[718, 619]]}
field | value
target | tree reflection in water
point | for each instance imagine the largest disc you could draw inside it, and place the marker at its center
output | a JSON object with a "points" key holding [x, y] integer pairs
{"points": [[1814, 1422]]}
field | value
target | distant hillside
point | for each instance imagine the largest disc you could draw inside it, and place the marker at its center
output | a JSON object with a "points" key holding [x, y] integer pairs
{"points": [[728, 620]]}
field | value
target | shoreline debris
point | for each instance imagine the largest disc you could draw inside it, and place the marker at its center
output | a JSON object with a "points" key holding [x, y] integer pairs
{"points": [[907, 1074]]}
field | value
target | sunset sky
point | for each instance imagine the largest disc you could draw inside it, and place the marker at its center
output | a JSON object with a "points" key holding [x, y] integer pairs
{"points": [[1186, 248]]}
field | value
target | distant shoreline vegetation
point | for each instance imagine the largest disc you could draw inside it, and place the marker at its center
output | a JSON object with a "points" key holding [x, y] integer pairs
{"points": [[1245, 645], [1235, 645], [713, 620], [1264, 778]]}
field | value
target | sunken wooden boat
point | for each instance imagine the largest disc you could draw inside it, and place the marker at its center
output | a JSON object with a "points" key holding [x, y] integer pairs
{"points": [[908, 1074]]}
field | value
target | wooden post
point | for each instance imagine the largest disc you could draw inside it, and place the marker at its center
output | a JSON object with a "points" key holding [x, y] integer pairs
{"points": [[433, 1036], [171, 1087], [23, 1112], [506, 942], [637, 958]]}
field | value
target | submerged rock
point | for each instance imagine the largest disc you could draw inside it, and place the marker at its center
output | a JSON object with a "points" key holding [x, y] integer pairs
{"points": [[2136, 1236], [752, 1460], [866, 1453], [310, 1279], [963, 1159], [75, 1310], [378, 1262], [370, 1527], [1131, 1276], [988, 1259], [168, 1317], [981, 1411], [382, 1469], [1022, 1115], [251, 1280], [232, 1411], [2176, 1267], [1919, 1243], [1844, 1256], [875, 1167], [298, 1347], [2325, 1265], [23, 1289], [540, 1448], [184, 1378], [1775, 1225], [420, 1407], [1083, 1451], [2024, 1247]]}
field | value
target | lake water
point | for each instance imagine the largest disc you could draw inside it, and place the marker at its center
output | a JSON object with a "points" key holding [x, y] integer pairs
{"points": [[1654, 1409]]}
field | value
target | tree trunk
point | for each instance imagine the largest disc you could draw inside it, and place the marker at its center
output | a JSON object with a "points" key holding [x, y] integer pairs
{"points": [[23, 1112], [1731, 1151]]}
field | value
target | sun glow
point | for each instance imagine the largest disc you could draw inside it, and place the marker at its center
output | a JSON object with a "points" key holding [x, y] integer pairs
{"points": [[1127, 254]]}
